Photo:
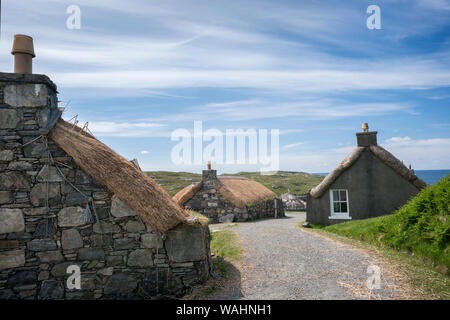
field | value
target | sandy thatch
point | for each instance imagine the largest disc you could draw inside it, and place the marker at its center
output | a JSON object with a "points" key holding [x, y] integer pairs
{"points": [[241, 191], [382, 154], [150, 201], [329, 179], [187, 193]]}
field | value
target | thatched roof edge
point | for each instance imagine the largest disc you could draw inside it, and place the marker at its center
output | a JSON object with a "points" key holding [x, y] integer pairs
{"points": [[186, 194], [385, 156], [137, 190], [319, 190]]}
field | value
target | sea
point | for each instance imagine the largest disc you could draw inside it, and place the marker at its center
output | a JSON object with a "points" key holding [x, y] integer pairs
{"points": [[429, 176]]}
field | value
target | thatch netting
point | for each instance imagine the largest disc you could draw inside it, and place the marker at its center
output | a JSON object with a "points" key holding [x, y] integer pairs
{"points": [[185, 194], [319, 190], [395, 164], [243, 191], [150, 201]]}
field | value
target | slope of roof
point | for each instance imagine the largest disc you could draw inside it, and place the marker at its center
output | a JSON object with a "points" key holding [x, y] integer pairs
{"points": [[142, 194], [385, 156], [237, 190]]}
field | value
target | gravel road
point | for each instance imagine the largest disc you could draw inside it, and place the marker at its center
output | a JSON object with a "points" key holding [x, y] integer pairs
{"points": [[283, 262]]}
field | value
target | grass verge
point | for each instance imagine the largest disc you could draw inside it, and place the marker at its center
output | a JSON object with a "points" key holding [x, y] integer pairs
{"points": [[225, 249]]}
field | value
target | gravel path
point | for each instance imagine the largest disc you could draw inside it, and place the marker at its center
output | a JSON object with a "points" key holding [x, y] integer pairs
{"points": [[283, 262]]}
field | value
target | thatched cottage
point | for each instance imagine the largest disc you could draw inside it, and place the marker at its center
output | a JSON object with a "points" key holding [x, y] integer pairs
{"points": [[227, 198], [67, 201], [370, 182], [292, 202]]}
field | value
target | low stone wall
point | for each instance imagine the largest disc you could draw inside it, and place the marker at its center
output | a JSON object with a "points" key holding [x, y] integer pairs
{"points": [[43, 227], [266, 209]]}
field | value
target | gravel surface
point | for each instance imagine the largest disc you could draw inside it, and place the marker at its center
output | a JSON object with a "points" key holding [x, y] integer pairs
{"points": [[284, 262]]}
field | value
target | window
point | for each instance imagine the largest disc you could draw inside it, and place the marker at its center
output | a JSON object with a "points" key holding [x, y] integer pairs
{"points": [[339, 204]]}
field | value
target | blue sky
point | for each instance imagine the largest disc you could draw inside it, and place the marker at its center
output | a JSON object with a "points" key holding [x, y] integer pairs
{"points": [[138, 70]]}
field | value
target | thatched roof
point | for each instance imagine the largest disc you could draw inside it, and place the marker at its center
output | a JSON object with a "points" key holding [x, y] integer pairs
{"points": [[150, 201], [187, 193], [382, 154], [239, 191]]}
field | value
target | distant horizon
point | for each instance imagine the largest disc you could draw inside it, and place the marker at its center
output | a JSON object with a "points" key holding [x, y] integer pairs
{"points": [[316, 173]]}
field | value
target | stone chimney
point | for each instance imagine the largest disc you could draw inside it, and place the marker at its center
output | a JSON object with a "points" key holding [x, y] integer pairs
{"points": [[28, 102], [366, 138], [209, 175]]}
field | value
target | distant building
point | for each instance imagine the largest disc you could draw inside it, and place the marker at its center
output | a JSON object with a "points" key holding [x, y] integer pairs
{"points": [[292, 202], [370, 182], [227, 199]]}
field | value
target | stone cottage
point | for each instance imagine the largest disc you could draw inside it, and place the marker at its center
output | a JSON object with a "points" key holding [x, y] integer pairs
{"points": [[69, 203], [227, 199], [370, 182], [292, 202]]}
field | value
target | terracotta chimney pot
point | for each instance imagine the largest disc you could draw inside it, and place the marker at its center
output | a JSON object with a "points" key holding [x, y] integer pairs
{"points": [[209, 165], [365, 127], [23, 51]]}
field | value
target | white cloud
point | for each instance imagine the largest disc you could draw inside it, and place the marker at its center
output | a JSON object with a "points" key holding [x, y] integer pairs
{"points": [[431, 153], [144, 152], [128, 129]]}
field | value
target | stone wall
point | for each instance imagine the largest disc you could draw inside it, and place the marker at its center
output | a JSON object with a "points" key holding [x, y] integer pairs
{"points": [[213, 205], [43, 227]]}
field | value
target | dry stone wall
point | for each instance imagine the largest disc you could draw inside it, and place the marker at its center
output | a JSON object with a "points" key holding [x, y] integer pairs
{"points": [[44, 225]]}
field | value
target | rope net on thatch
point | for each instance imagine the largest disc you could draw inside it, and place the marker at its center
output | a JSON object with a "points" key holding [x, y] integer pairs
{"points": [[150, 201]]}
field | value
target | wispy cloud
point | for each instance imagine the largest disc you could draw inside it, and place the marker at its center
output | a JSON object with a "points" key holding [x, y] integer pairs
{"points": [[292, 145]]}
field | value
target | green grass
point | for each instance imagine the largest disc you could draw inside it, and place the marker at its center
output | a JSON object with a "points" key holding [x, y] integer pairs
{"points": [[296, 182], [225, 248], [225, 243], [421, 227]]}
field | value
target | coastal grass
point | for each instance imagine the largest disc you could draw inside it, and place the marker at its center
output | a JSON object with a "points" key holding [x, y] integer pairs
{"points": [[421, 227], [296, 182]]}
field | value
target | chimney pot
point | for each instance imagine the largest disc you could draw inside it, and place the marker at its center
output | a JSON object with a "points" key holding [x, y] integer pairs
{"points": [[365, 127], [209, 165], [23, 51]]}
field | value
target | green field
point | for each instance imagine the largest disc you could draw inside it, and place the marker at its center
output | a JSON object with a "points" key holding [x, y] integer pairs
{"points": [[296, 182]]}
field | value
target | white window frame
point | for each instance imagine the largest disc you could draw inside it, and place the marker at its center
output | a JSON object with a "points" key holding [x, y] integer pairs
{"points": [[339, 215]]}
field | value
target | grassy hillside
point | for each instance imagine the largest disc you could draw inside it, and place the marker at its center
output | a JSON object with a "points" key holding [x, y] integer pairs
{"points": [[421, 227], [296, 182]]}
